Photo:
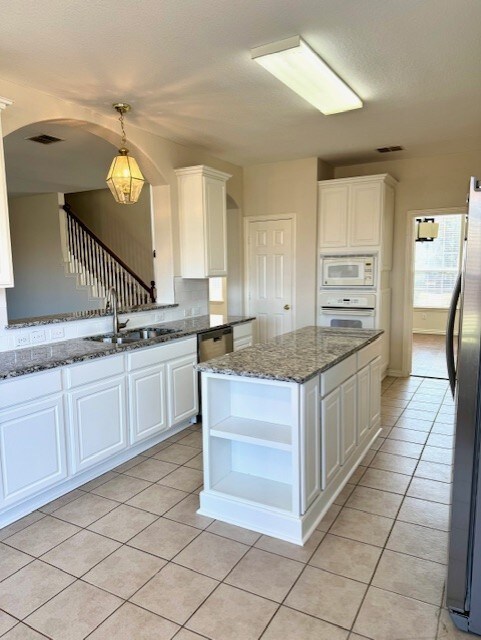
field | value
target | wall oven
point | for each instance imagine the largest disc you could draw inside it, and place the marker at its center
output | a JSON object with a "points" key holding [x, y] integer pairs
{"points": [[347, 310], [347, 271]]}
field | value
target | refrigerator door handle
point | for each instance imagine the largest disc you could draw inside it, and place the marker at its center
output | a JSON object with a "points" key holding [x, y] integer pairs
{"points": [[450, 334]]}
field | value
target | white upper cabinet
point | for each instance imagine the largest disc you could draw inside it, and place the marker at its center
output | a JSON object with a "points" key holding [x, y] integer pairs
{"points": [[357, 213], [6, 269], [202, 215]]}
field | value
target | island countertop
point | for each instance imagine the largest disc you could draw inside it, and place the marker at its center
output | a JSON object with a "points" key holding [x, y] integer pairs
{"points": [[293, 357]]}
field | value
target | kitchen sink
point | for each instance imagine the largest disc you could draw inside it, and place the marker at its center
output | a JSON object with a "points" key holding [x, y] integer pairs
{"points": [[151, 332], [136, 335], [111, 339]]}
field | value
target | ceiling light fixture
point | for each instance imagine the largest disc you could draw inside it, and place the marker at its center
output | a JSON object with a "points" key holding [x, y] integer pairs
{"points": [[125, 179], [293, 62]]}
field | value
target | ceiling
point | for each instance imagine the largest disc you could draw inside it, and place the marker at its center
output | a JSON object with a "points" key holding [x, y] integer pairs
{"points": [[186, 69]]}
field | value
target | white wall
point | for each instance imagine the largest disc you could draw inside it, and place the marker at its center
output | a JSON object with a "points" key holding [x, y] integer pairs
{"points": [[235, 264], [424, 183]]}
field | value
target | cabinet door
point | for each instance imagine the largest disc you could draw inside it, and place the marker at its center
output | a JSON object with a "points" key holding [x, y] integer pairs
{"points": [[375, 392], [333, 216], [242, 343], [310, 443], [147, 402], [331, 436], [363, 397], [349, 417], [182, 389], [216, 232], [98, 424], [365, 215], [32, 449]]}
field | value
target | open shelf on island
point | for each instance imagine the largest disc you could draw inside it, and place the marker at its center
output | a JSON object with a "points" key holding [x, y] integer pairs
{"points": [[269, 493], [269, 434]]}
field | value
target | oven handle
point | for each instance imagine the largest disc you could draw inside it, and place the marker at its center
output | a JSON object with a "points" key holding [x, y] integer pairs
{"points": [[347, 312]]}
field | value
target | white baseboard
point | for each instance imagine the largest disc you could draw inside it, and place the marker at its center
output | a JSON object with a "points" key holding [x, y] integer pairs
{"points": [[396, 373]]}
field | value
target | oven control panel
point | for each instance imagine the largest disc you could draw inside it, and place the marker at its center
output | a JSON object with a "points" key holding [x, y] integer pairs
{"points": [[341, 301]]}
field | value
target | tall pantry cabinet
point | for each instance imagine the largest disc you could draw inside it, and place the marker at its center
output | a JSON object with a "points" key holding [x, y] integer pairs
{"points": [[355, 217]]}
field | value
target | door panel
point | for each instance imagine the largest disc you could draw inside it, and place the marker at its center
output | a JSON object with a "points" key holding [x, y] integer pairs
{"points": [[375, 392], [182, 385], [363, 395], [331, 434], [333, 215], [147, 395], [349, 417], [365, 218], [310, 443]]}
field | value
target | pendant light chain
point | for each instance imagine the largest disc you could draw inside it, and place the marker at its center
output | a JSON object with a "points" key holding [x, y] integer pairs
{"points": [[124, 137]]}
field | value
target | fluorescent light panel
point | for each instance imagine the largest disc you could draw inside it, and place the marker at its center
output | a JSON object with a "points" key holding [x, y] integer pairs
{"points": [[293, 62]]}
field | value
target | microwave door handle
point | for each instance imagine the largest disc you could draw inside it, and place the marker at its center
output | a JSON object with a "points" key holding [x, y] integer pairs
{"points": [[450, 334]]}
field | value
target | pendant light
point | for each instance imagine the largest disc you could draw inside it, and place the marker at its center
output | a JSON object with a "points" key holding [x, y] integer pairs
{"points": [[125, 179]]}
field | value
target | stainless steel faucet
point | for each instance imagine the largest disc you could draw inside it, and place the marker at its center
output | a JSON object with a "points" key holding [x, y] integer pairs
{"points": [[112, 300]]}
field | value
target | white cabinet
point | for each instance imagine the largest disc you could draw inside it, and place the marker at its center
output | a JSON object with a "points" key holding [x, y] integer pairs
{"points": [[182, 389], [349, 418], [331, 436], [310, 442], [202, 217], [147, 402], [375, 392], [98, 422], [364, 418], [32, 448], [6, 269], [333, 215], [243, 336]]}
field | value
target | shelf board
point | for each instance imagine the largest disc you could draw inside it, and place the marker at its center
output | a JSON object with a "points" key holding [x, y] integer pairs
{"points": [[269, 493], [268, 434]]}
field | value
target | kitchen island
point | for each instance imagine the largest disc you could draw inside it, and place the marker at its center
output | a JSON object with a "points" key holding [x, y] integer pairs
{"points": [[285, 424]]}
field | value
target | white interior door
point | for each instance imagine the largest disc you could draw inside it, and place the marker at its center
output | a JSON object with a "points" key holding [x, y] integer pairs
{"points": [[270, 276]]}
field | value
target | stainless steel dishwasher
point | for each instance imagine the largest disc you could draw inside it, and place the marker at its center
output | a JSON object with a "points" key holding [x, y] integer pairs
{"points": [[212, 344]]}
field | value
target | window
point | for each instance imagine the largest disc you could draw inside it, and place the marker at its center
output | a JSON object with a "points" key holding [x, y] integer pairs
{"points": [[437, 264], [216, 289]]}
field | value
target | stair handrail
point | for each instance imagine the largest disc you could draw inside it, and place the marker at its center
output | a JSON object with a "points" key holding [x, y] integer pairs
{"points": [[150, 289]]}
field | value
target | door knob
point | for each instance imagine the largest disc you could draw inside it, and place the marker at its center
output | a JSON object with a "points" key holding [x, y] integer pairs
{"points": [[287, 307]]}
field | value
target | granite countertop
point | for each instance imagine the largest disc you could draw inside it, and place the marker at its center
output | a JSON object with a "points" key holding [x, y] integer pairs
{"points": [[57, 354], [293, 357]]}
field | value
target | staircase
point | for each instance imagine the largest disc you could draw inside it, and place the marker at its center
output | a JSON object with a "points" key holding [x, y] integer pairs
{"points": [[97, 266]]}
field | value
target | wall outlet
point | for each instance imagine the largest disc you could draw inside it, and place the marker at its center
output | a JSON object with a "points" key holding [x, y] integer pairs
{"points": [[22, 340], [58, 333], [159, 316], [38, 336], [423, 316]]}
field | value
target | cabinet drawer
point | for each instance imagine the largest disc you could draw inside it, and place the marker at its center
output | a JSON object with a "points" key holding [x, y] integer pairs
{"points": [[242, 330], [333, 377], [98, 369], [364, 356], [161, 353], [29, 387]]}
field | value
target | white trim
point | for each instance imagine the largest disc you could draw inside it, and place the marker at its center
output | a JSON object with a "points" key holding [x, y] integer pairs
{"points": [[272, 217], [407, 348]]}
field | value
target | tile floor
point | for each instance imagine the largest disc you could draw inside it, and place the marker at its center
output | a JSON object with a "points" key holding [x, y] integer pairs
{"points": [[127, 557], [429, 356]]}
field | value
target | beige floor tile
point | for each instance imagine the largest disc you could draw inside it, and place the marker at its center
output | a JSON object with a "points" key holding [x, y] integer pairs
{"points": [[430, 490], [246, 536], [148, 453], [151, 469], [50, 507], [11, 560], [186, 512], [425, 513], [156, 499], [410, 576], [211, 555], [381, 503], [357, 475], [183, 478], [177, 454], [121, 488], [348, 558], [440, 440], [123, 523], [196, 462], [124, 572], [362, 526], [407, 449], [18, 525], [447, 629], [420, 415], [85, 509], [329, 517], [327, 596], [437, 454], [96, 482], [132, 623], [41, 536], [164, 538], [192, 440], [22, 632], [434, 471], [366, 461], [74, 613], [24, 591], [175, 593], [344, 494], [385, 480], [80, 553], [289, 550], [444, 428], [185, 634], [408, 435], [378, 442], [232, 614], [265, 574], [6, 622], [125, 466], [422, 542], [389, 616], [289, 624], [394, 463], [414, 425]]}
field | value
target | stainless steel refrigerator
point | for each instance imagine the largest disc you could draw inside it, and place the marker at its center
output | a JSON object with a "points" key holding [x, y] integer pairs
{"points": [[464, 568]]}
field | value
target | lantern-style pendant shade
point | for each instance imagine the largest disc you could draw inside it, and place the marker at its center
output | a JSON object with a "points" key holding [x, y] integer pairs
{"points": [[125, 179]]}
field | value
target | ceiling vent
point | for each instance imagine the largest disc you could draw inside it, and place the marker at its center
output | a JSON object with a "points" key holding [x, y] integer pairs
{"points": [[390, 149], [44, 138]]}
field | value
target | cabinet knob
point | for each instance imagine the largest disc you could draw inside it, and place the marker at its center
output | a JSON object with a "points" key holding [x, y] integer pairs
{"points": [[287, 307]]}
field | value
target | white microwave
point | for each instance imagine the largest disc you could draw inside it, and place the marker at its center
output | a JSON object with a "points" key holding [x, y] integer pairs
{"points": [[347, 271]]}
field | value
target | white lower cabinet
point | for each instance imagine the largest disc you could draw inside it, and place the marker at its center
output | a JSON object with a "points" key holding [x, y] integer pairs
{"points": [[32, 448], [330, 436], [243, 343], [98, 422], [349, 418], [363, 398], [243, 336], [310, 442], [147, 402], [182, 389], [375, 392]]}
